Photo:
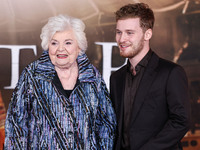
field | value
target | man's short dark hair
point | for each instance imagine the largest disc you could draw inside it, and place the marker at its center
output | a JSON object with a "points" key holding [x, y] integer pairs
{"points": [[137, 10]]}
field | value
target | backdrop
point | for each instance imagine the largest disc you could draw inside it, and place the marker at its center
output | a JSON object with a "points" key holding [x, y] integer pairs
{"points": [[176, 38]]}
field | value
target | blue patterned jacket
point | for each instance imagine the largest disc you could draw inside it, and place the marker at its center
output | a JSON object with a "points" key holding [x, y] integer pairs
{"points": [[40, 117]]}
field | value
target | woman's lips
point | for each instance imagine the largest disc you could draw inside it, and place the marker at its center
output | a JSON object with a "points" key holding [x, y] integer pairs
{"points": [[62, 56]]}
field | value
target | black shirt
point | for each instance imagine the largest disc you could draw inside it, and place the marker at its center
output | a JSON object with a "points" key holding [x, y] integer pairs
{"points": [[131, 85], [57, 83]]}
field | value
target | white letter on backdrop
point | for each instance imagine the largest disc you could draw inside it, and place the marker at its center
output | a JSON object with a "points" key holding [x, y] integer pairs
{"points": [[15, 50]]}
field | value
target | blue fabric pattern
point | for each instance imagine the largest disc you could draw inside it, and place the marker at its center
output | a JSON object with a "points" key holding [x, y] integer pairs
{"points": [[40, 117]]}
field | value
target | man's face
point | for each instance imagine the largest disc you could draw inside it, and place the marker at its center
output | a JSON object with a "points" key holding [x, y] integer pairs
{"points": [[129, 37]]}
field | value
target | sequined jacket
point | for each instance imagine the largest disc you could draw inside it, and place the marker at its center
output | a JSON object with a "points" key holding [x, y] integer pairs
{"points": [[40, 117]]}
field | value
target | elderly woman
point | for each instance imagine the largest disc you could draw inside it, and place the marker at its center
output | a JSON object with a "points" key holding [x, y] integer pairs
{"points": [[61, 100]]}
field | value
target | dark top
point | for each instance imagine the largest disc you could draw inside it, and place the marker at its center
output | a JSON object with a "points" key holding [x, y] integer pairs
{"points": [[131, 86], [58, 84]]}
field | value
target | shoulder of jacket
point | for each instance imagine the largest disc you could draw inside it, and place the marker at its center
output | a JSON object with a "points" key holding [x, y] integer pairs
{"points": [[119, 71]]}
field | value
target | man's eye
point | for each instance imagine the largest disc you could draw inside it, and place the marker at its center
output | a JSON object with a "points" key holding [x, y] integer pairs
{"points": [[118, 32], [129, 33]]}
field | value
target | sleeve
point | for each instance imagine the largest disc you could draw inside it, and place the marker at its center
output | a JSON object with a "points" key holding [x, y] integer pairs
{"points": [[106, 120], [175, 128], [16, 131]]}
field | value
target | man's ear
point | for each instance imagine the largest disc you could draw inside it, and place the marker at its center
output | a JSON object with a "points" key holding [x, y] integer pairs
{"points": [[148, 34]]}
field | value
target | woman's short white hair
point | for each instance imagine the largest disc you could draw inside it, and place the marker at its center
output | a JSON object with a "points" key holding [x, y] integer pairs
{"points": [[61, 23]]}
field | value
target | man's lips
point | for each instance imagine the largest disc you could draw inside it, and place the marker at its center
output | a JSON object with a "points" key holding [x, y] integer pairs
{"points": [[123, 47]]}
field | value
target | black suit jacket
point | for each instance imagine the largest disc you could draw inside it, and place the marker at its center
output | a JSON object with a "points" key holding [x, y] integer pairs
{"points": [[160, 114]]}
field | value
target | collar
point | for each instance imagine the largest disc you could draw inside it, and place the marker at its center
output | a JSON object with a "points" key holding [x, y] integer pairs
{"points": [[145, 59], [142, 63], [46, 70]]}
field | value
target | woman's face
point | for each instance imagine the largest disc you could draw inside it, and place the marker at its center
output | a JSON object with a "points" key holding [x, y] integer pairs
{"points": [[63, 49]]}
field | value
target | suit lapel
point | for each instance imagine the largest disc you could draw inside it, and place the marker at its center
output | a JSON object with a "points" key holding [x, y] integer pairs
{"points": [[145, 84], [121, 102], [119, 105]]}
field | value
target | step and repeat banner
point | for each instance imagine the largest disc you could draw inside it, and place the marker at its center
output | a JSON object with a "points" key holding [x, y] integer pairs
{"points": [[176, 38]]}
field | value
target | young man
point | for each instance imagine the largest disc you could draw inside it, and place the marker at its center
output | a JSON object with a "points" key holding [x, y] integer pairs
{"points": [[149, 94]]}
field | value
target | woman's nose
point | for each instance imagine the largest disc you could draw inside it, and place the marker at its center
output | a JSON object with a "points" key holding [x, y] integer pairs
{"points": [[61, 48]]}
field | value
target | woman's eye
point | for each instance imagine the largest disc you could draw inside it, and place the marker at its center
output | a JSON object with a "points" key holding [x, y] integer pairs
{"points": [[68, 43], [53, 43]]}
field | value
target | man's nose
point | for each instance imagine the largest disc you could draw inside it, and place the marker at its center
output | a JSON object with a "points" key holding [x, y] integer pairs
{"points": [[123, 37]]}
